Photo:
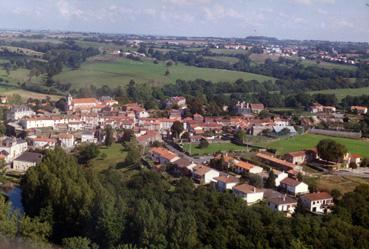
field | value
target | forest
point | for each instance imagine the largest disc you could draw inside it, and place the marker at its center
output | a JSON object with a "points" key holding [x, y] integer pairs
{"points": [[68, 204]]}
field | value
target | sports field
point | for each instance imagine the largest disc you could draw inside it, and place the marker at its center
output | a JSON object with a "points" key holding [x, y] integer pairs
{"points": [[121, 71], [212, 148], [310, 141], [343, 92]]}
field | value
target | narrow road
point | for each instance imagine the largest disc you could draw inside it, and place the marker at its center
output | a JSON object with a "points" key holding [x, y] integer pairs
{"points": [[200, 160]]}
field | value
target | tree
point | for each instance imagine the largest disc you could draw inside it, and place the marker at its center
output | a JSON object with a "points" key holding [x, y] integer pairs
{"points": [[255, 180], [78, 243], [240, 136], [270, 182], [330, 150], [203, 143], [109, 136], [133, 153], [336, 194], [87, 152], [128, 134], [364, 162], [177, 129], [59, 188]]}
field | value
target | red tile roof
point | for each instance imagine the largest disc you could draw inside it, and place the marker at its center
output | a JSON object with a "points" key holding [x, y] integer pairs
{"points": [[290, 182], [164, 153], [246, 188], [227, 179], [317, 196]]}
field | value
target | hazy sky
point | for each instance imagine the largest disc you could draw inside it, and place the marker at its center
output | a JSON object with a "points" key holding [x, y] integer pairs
{"points": [[300, 19]]}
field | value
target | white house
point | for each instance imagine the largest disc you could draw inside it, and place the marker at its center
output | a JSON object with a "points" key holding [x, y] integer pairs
{"points": [[163, 156], [248, 193], [204, 175], [43, 142], [66, 141], [88, 137], [280, 202], [18, 112], [26, 160], [294, 187], [12, 147], [226, 182], [317, 202], [279, 176], [242, 166]]}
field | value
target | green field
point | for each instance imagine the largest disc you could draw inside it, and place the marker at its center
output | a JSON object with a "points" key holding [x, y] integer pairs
{"points": [[228, 59], [343, 92], [212, 148], [328, 65], [120, 72], [114, 155], [308, 141], [228, 51]]}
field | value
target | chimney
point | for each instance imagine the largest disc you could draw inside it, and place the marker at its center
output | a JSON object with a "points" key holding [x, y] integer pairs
{"points": [[254, 189], [284, 197]]}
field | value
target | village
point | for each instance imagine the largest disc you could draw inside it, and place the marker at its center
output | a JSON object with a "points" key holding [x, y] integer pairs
{"points": [[162, 138]]}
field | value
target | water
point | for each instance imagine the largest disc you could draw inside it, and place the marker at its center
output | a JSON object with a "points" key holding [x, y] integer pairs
{"points": [[15, 198]]}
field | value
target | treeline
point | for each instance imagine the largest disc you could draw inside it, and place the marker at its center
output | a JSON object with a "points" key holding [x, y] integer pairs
{"points": [[147, 211]]}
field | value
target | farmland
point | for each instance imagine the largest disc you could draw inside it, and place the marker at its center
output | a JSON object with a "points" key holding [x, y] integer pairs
{"points": [[212, 148], [121, 71], [341, 93], [309, 141]]}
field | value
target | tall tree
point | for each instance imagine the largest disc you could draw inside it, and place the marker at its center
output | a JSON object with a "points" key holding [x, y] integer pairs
{"points": [[177, 129], [109, 136], [330, 150]]}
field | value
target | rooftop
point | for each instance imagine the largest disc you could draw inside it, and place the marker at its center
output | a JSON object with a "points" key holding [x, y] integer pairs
{"points": [[317, 196]]}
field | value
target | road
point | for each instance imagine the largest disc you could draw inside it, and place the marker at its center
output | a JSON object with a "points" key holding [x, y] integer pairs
{"points": [[199, 160], [360, 172]]}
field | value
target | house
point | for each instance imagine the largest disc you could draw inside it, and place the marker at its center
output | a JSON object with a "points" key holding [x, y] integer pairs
{"points": [[66, 141], [184, 166], [320, 202], [293, 186], [359, 109], [137, 109], [178, 101], [242, 167], [356, 159], [43, 142], [12, 147], [3, 99], [280, 202], [227, 182], [316, 107], [163, 156], [18, 112], [26, 160], [149, 137], [88, 137], [83, 104], [256, 107], [297, 157], [276, 162], [329, 109], [291, 130], [204, 175], [279, 176], [248, 193]]}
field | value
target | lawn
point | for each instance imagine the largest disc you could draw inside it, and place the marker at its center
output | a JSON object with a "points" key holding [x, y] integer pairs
{"points": [[307, 141], [328, 65], [114, 156], [212, 148], [343, 183], [121, 71], [343, 92], [228, 59]]}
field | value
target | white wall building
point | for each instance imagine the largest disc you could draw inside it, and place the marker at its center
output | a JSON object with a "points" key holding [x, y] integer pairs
{"points": [[248, 193]]}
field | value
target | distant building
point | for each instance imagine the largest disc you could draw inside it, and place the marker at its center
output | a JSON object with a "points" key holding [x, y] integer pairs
{"points": [[297, 157], [18, 112], [227, 182], [43, 142], [280, 202], [178, 101], [88, 137], [162, 155], [26, 160], [294, 187], [66, 141], [3, 99], [320, 203], [248, 193], [204, 175], [359, 109], [12, 147]]}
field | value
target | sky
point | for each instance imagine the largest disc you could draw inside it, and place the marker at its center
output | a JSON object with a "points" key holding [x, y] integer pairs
{"points": [[335, 20]]}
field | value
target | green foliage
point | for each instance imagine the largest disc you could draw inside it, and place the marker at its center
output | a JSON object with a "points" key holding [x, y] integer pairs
{"points": [[270, 182], [330, 150], [78, 243], [87, 152], [58, 185], [177, 129], [134, 153], [109, 136], [203, 143]]}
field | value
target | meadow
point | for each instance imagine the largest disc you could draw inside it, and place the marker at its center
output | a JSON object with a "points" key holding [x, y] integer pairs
{"points": [[114, 155], [121, 71], [212, 148], [308, 141], [343, 92]]}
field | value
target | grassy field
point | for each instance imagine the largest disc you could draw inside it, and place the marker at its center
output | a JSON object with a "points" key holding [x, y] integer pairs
{"points": [[120, 72], [341, 93], [309, 141], [212, 148], [228, 59], [114, 156], [228, 51], [328, 65], [260, 58], [343, 183]]}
